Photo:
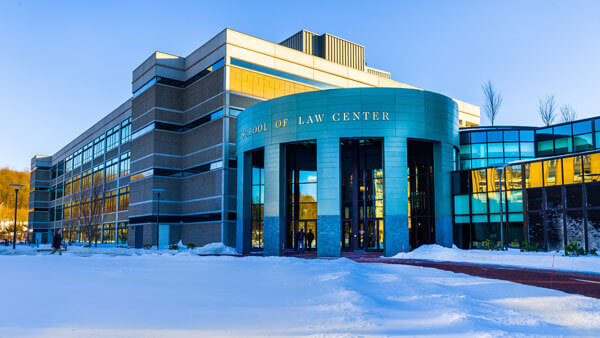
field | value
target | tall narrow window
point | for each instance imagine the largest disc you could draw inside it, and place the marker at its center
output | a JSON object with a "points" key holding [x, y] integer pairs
{"points": [[258, 199]]}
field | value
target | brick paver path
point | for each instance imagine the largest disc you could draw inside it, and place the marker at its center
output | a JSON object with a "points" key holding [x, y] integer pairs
{"points": [[586, 284]]}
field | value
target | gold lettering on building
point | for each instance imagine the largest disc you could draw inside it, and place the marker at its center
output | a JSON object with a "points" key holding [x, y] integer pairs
{"points": [[318, 118]]}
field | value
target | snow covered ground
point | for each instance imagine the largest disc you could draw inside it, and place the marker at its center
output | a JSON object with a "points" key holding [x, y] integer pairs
{"points": [[186, 295], [511, 257]]}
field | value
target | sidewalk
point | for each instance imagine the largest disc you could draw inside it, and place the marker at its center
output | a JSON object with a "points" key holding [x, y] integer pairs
{"points": [[585, 284]]}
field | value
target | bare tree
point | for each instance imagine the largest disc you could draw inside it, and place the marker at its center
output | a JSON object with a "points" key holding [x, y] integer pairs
{"points": [[91, 203], [568, 114], [492, 101], [547, 109]]}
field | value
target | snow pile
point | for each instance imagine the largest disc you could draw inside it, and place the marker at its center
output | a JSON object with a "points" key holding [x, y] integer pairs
{"points": [[511, 257], [81, 250], [188, 295], [215, 249]]}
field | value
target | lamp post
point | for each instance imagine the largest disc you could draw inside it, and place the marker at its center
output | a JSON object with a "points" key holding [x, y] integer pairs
{"points": [[17, 187], [500, 167], [158, 191]]}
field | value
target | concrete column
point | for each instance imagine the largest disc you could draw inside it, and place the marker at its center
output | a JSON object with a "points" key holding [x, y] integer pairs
{"points": [[274, 217], [328, 198], [443, 164], [395, 196], [244, 192]]}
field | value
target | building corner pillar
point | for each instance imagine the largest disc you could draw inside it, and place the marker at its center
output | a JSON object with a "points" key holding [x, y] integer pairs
{"points": [[328, 198], [443, 164], [243, 219], [274, 214], [395, 196]]}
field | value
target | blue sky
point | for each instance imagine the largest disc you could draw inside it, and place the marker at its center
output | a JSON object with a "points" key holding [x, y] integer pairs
{"points": [[66, 64]]}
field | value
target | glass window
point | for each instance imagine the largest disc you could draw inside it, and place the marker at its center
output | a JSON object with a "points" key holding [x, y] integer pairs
{"points": [[98, 175], [77, 159], [593, 194], [493, 161], [124, 198], [511, 149], [574, 197], [572, 170], [494, 202], [583, 142], [533, 174], [478, 150], [564, 130], [543, 134], [534, 199], [478, 163], [582, 127], [87, 152], [99, 146], [553, 198], [552, 172], [110, 201], [527, 135], [112, 138], [478, 137], [597, 124], [511, 136], [465, 151], [479, 203], [112, 169], [461, 204], [464, 138], [513, 177], [515, 201], [493, 179], [598, 140], [591, 167], [143, 131], [126, 131], [494, 136], [478, 179], [563, 145], [545, 148], [495, 150], [527, 150], [125, 165], [465, 164]]}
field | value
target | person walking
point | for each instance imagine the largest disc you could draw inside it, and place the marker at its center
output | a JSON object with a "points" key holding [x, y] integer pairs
{"points": [[300, 240], [309, 238], [57, 242]]}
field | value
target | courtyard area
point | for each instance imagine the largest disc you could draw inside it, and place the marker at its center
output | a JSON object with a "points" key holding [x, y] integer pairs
{"points": [[184, 294]]}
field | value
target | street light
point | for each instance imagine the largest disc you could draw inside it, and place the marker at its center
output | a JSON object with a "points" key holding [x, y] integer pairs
{"points": [[17, 187], [500, 167], [158, 191]]}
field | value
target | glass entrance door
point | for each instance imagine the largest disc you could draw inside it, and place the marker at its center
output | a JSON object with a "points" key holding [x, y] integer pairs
{"points": [[362, 194]]}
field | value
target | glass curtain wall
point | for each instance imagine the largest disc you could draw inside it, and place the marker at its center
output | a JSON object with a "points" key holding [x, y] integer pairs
{"points": [[301, 189], [548, 202]]}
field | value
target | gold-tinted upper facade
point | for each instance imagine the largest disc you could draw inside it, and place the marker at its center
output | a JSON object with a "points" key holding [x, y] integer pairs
{"points": [[277, 70]]}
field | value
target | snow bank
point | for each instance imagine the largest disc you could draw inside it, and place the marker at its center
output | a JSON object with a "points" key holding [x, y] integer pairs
{"points": [[511, 257], [81, 250], [215, 249]]}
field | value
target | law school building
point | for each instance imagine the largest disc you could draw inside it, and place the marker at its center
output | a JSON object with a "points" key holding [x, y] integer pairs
{"points": [[250, 142]]}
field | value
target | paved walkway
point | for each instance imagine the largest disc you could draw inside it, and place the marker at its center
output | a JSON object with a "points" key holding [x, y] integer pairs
{"points": [[586, 284]]}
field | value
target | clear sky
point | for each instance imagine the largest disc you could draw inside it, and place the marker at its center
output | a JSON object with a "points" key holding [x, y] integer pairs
{"points": [[66, 64]]}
